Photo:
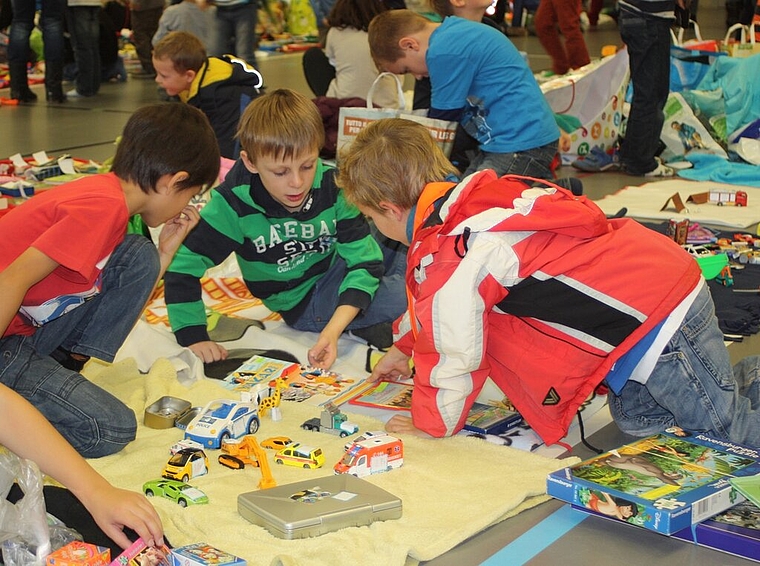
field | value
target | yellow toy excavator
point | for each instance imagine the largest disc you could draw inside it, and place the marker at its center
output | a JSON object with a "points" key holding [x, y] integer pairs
{"points": [[238, 452]]}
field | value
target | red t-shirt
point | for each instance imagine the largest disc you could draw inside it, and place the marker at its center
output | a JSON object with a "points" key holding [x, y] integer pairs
{"points": [[78, 225]]}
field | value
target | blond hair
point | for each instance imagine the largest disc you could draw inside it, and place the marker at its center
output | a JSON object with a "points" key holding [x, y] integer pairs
{"points": [[282, 124], [387, 29], [391, 160], [183, 49]]}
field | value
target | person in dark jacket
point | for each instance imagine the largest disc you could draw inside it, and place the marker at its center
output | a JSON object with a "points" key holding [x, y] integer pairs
{"points": [[221, 87]]}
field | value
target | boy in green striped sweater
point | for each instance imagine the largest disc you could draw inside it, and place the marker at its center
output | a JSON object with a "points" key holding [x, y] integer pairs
{"points": [[302, 249]]}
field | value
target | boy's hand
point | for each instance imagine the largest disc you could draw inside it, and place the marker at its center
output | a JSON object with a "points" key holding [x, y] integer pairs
{"points": [[324, 353], [209, 351], [399, 424], [174, 232], [113, 509], [392, 366]]}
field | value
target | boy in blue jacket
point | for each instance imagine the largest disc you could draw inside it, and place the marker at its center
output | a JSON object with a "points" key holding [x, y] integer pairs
{"points": [[479, 79]]}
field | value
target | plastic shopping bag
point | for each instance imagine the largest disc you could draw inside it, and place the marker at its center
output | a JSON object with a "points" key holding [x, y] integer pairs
{"points": [[354, 119], [593, 95]]}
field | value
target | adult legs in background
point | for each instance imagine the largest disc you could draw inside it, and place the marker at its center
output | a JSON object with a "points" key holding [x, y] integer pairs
{"points": [[594, 9], [648, 41], [51, 21], [84, 26], [552, 17], [237, 23], [144, 26], [18, 49]]}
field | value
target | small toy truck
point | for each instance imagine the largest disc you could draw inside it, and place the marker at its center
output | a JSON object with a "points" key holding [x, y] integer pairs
{"points": [[332, 421], [379, 453]]}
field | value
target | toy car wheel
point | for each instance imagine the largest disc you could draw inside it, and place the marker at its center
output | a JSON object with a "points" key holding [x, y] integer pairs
{"points": [[307, 466], [278, 461], [253, 426], [148, 493], [343, 434], [185, 478], [182, 503]]}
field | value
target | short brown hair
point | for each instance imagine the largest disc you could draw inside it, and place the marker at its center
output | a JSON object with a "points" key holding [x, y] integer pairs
{"points": [[283, 124], [183, 49], [391, 160], [387, 29]]}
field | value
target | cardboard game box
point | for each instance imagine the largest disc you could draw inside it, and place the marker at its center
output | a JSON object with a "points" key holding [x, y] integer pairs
{"points": [[202, 554], [491, 418], [734, 531], [664, 482]]}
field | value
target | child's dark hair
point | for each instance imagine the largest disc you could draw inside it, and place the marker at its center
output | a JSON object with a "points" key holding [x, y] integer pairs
{"points": [[355, 14], [164, 139]]}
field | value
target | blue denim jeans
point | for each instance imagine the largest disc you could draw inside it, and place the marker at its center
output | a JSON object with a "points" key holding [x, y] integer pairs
{"points": [[530, 163], [237, 23], [648, 41], [694, 386], [84, 26], [92, 420], [51, 22], [388, 304]]}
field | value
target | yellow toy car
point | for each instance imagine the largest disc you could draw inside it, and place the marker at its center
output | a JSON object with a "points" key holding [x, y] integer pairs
{"points": [[185, 464], [276, 442], [299, 455]]}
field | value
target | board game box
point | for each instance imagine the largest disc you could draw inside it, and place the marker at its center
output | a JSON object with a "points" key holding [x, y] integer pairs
{"points": [[734, 531], [492, 417], [666, 482]]}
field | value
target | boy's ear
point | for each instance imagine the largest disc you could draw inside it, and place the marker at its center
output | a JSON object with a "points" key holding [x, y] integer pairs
{"points": [[409, 44], [247, 162], [173, 180], [190, 76], [396, 212]]}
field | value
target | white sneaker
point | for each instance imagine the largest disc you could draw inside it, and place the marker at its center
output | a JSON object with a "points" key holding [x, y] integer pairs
{"points": [[661, 171], [73, 94]]}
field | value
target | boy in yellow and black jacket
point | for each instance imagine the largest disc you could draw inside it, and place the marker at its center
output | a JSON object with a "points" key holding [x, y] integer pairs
{"points": [[221, 87]]}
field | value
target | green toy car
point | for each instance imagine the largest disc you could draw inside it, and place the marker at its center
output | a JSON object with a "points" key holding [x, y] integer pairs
{"points": [[175, 490]]}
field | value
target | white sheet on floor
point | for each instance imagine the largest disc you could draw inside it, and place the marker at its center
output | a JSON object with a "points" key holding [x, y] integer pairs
{"points": [[645, 202]]}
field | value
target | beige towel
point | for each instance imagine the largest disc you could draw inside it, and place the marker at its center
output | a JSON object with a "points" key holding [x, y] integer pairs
{"points": [[451, 489]]}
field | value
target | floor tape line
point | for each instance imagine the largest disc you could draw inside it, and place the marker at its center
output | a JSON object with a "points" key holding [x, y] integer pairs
{"points": [[538, 538]]}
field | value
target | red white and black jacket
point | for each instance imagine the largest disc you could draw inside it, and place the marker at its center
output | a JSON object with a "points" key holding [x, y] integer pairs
{"points": [[533, 287]]}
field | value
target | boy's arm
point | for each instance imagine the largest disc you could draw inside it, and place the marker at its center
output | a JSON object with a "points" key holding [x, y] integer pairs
{"points": [[362, 254], [29, 268], [450, 350], [324, 353], [204, 248], [112, 508]]}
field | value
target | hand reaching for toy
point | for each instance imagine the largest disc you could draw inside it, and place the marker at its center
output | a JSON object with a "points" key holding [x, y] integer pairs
{"points": [[114, 508], [209, 351], [324, 353], [394, 365]]}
